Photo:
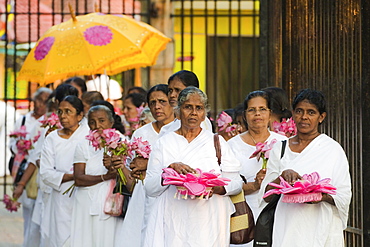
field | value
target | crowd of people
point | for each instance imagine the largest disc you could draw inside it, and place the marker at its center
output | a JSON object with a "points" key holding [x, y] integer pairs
{"points": [[75, 178]]}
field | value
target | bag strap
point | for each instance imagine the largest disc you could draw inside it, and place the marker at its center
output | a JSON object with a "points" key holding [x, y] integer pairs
{"points": [[283, 147], [217, 147], [23, 120]]}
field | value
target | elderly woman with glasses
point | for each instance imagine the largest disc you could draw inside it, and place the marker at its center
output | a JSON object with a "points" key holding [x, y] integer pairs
{"points": [[190, 222], [56, 170], [257, 115]]}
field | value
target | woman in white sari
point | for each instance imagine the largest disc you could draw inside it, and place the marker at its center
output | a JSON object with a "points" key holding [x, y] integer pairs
{"points": [[319, 223], [191, 222], [56, 170], [257, 115], [139, 207], [90, 225]]}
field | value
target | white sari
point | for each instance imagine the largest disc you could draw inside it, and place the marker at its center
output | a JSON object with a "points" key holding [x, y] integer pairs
{"points": [[90, 225], [319, 224], [57, 160], [197, 222], [140, 205]]}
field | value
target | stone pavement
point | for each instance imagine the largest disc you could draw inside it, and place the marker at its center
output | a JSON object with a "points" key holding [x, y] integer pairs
{"points": [[11, 224]]}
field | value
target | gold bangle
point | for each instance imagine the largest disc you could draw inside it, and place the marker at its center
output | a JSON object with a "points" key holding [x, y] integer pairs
{"points": [[102, 178], [21, 183]]}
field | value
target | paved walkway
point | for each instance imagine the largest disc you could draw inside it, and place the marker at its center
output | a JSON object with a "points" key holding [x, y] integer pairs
{"points": [[11, 224]]}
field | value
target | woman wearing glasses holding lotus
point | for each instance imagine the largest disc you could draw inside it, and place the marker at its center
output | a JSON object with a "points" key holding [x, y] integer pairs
{"points": [[257, 115]]}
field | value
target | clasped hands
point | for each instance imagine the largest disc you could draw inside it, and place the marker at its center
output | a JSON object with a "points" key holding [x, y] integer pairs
{"points": [[138, 167], [182, 168], [112, 163], [292, 176]]}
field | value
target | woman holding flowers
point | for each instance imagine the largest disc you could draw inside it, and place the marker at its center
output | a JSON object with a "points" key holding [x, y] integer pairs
{"points": [[318, 223], [134, 104], [190, 222], [56, 170], [139, 207], [257, 115], [91, 226]]}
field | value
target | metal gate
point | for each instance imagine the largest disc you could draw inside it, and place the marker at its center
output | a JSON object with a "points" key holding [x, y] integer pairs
{"points": [[320, 45]]}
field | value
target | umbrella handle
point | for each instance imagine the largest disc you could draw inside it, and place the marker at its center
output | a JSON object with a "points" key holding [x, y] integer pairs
{"points": [[72, 11]]}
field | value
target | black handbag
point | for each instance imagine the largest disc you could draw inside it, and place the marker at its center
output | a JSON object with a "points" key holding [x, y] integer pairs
{"points": [[242, 221], [265, 222], [20, 172], [121, 188], [22, 166]]}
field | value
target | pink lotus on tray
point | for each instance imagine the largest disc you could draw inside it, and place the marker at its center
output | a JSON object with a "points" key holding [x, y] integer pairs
{"points": [[308, 189], [193, 185]]}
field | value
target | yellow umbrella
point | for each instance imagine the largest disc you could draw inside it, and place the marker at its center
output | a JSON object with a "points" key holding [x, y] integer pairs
{"points": [[91, 44]]}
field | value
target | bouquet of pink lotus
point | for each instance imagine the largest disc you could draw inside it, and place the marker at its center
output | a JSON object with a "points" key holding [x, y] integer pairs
{"points": [[52, 122], [224, 122], [111, 142], [139, 148], [308, 189], [193, 185], [11, 204], [286, 127], [23, 146], [263, 151]]}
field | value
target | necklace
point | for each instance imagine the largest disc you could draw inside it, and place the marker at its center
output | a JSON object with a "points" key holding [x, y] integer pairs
{"points": [[252, 138], [308, 140]]}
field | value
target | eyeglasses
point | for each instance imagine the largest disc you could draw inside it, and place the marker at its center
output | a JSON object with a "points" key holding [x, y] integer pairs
{"points": [[253, 110], [67, 112]]}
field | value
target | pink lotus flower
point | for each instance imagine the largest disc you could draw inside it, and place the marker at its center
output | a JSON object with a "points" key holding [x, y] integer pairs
{"points": [[286, 127], [24, 146], [36, 137], [95, 139], [52, 122], [21, 133], [308, 189], [111, 138], [140, 147], [231, 128], [263, 151], [193, 185], [112, 143], [11, 204], [223, 120]]}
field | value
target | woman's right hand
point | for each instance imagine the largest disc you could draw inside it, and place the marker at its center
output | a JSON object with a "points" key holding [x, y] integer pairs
{"points": [[259, 178], [290, 176], [181, 168], [18, 191], [107, 161]]}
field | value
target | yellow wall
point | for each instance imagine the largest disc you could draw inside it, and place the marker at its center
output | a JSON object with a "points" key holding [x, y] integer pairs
{"points": [[202, 27]]}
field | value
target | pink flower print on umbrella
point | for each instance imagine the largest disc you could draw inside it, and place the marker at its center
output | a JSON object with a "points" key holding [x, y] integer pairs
{"points": [[308, 189], [98, 35], [43, 48]]}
